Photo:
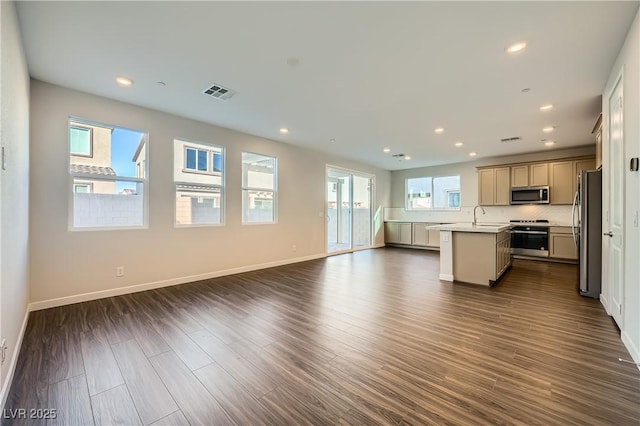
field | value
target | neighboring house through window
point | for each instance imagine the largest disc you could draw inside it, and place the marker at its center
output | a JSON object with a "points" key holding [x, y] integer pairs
{"points": [[433, 193], [199, 183], [259, 188], [107, 168], [80, 140]]}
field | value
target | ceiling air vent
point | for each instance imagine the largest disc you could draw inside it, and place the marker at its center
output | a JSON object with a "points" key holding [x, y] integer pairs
{"points": [[511, 139], [219, 92]]}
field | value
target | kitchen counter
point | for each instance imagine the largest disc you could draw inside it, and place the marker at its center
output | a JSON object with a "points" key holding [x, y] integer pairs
{"points": [[492, 228], [476, 254]]}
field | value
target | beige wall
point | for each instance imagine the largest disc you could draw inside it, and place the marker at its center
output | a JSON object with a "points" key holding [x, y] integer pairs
{"points": [[14, 181], [65, 263]]}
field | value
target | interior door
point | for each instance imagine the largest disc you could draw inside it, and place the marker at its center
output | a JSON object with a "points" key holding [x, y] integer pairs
{"points": [[338, 211], [616, 276]]}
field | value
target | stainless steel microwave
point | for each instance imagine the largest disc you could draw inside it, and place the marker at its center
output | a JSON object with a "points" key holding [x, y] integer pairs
{"points": [[530, 195]]}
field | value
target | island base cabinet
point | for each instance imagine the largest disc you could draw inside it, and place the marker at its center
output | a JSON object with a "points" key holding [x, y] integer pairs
{"points": [[480, 258]]}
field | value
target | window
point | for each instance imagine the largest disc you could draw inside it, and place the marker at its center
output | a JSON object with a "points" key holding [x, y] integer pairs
{"points": [[80, 141], [83, 188], [453, 199], [107, 169], [437, 193], [202, 159], [199, 183], [259, 188]]}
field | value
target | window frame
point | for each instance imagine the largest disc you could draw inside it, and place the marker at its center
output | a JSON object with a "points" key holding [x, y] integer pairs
{"points": [[71, 176], [89, 185], [90, 130], [197, 145], [407, 204], [189, 144], [262, 189]]}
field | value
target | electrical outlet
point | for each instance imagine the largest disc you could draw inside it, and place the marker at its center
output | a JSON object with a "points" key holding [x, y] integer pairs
{"points": [[3, 350], [119, 271], [294, 248]]}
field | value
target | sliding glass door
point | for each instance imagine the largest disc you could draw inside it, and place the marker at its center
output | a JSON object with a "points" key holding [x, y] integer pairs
{"points": [[348, 210]]}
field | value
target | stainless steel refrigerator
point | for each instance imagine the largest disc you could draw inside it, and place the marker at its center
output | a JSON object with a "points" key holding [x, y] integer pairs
{"points": [[587, 231]]}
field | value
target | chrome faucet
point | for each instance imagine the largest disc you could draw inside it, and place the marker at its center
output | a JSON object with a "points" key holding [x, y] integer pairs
{"points": [[475, 218]]}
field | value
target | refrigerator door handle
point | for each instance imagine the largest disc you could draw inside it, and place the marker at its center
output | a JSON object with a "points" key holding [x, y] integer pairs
{"points": [[573, 218]]}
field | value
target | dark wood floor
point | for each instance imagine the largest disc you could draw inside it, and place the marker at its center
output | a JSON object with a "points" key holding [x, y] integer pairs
{"points": [[364, 338]]}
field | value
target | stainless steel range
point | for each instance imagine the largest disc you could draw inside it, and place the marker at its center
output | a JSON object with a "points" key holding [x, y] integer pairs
{"points": [[530, 238]]}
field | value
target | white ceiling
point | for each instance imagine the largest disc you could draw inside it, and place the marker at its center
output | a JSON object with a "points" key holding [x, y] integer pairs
{"points": [[370, 74]]}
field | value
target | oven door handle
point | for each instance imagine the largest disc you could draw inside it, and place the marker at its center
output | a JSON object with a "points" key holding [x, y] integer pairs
{"points": [[530, 232]]}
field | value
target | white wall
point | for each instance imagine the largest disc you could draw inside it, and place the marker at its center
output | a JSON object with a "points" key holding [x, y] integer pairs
{"points": [[65, 263], [14, 188], [469, 190], [629, 60]]}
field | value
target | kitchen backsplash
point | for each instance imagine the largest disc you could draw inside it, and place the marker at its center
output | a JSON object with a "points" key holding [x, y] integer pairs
{"points": [[556, 215]]}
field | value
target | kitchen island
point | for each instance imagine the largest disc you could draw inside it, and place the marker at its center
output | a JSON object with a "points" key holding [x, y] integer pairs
{"points": [[474, 253]]}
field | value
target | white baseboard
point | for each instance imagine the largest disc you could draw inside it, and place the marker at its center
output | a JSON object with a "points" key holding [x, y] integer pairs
{"points": [[631, 347], [6, 386], [446, 277], [605, 304], [51, 303]]}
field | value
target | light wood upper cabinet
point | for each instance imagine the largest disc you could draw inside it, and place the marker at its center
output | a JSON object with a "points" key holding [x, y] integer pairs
{"points": [[586, 164], [519, 176], [539, 174], [486, 191], [494, 183], [493, 186], [561, 188], [525, 175], [502, 186], [564, 179]]}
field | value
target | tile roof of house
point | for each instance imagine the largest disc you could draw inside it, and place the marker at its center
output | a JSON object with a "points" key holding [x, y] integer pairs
{"points": [[92, 170]]}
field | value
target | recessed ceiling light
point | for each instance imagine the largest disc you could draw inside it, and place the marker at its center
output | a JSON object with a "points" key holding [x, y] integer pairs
{"points": [[406, 157], [473, 154], [284, 130], [386, 150], [124, 81], [548, 129], [549, 143], [459, 144], [516, 47], [439, 130], [546, 107]]}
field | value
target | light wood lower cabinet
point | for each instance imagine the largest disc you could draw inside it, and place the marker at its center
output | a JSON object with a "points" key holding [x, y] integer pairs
{"points": [[407, 233], [480, 258], [425, 237], [397, 232], [561, 243]]}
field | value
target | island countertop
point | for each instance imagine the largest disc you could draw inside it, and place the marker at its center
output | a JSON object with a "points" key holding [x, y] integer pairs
{"points": [[490, 228]]}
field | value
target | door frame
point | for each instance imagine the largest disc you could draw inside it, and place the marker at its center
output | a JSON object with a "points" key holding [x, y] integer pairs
{"points": [[607, 297], [372, 183]]}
